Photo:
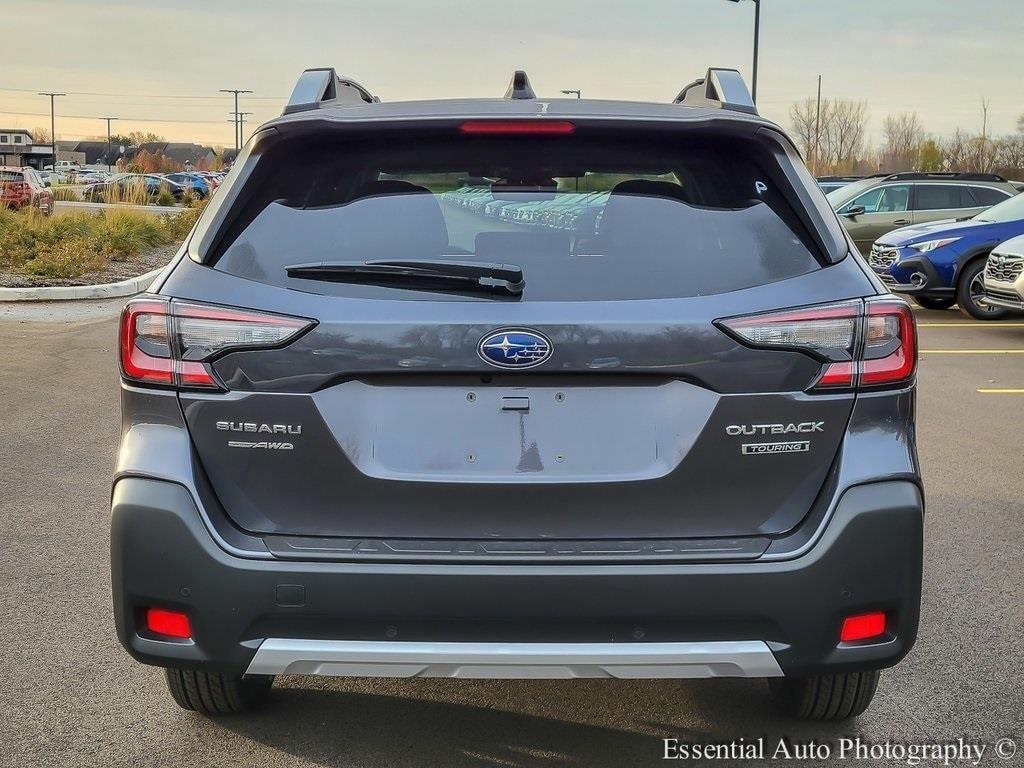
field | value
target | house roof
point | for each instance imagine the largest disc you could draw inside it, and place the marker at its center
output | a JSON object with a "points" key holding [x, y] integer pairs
{"points": [[17, 130], [181, 152]]}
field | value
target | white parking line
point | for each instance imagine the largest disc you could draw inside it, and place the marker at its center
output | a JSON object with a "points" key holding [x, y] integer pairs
{"points": [[1001, 391]]}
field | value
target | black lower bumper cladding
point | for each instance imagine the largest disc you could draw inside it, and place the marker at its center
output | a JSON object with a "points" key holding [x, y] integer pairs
{"points": [[868, 558]]}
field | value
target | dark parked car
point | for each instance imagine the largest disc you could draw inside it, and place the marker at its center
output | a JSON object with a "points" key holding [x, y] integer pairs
{"points": [[191, 182], [369, 434], [24, 188], [133, 187]]}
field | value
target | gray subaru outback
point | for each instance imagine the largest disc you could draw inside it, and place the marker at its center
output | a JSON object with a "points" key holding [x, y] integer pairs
{"points": [[518, 388]]}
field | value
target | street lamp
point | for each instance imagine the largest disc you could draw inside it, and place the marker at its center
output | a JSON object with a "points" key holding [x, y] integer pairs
{"points": [[757, 35], [567, 91]]}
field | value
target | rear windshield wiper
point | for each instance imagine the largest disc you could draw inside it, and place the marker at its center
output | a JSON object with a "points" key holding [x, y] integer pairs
{"points": [[418, 274]]}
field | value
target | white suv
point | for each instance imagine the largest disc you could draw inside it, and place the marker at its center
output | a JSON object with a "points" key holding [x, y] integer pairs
{"points": [[1004, 275]]}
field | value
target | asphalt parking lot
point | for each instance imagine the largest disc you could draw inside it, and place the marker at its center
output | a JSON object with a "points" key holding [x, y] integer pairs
{"points": [[69, 695]]}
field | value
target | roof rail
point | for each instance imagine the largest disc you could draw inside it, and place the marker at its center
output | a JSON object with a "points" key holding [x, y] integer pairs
{"points": [[961, 176], [520, 87], [322, 85], [721, 88]]}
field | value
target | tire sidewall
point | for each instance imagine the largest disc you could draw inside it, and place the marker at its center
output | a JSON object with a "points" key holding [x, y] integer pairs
{"points": [[963, 292]]}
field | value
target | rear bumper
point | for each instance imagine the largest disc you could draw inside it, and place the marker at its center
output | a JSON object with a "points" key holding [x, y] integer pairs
{"points": [[755, 619]]}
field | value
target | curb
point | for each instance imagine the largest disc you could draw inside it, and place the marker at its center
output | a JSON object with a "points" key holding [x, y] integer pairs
{"points": [[127, 287]]}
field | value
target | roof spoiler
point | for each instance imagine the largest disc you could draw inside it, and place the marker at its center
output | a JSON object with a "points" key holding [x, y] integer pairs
{"points": [[322, 86], [720, 88]]}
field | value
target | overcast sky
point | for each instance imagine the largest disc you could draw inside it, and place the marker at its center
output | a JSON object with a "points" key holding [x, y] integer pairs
{"points": [[118, 57]]}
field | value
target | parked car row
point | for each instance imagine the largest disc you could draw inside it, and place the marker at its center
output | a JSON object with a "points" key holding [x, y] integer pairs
{"points": [[574, 211], [149, 186], [942, 239], [24, 188]]}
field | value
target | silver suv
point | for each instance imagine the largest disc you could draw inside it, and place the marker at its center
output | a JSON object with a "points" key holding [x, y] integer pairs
{"points": [[877, 205], [374, 426]]}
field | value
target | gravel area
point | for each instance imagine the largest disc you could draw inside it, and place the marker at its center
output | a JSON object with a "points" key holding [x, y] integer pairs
{"points": [[145, 262]]}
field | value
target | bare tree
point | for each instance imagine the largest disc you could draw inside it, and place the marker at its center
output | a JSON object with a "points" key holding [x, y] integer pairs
{"points": [[40, 135], [847, 122], [839, 137], [903, 137], [956, 152], [802, 122], [1009, 155]]}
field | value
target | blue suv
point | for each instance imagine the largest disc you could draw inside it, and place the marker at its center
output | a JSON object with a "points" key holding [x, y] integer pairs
{"points": [[941, 263]]}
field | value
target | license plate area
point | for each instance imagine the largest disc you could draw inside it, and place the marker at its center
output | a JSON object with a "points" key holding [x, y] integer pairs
{"points": [[508, 434]]}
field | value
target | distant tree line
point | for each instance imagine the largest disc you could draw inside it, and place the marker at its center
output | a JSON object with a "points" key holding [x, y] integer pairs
{"points": [[834, 142]]}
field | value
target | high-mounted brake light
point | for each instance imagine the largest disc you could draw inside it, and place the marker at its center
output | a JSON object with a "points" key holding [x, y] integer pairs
{"points": [[173, 343], [871, 343], [518, 127]]}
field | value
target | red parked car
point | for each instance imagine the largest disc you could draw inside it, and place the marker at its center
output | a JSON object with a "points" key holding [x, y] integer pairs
{"points": [[21, 187]]}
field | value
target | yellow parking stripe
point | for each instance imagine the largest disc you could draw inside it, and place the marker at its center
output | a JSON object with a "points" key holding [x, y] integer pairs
{"points": [[972, 351], [1001, 391]]}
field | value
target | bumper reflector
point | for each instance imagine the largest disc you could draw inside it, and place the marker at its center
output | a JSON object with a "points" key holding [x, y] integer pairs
{"points": [[863, 626], [168, 623]]}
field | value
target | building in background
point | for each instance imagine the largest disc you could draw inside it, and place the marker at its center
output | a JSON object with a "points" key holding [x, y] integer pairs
{"points": [[18, 148]]}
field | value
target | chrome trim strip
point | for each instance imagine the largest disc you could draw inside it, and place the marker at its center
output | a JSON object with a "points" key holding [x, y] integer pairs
{"points": [[1004, 302], [360, 658]]}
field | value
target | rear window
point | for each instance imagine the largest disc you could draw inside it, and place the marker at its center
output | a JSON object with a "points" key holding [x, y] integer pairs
{"points": [[11, 176], [584, 218], [988, 195]]}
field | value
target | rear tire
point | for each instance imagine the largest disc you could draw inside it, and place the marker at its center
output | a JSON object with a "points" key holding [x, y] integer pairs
{"points": [[215, 693], [969, 290], [929, 302], [825, 697]]}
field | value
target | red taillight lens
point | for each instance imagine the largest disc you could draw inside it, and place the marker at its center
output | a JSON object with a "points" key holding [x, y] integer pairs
{"points": [[146, 342], [890, 349], [863, 626], [518, 127], [168, 623], [172, 343], [869, 344]]}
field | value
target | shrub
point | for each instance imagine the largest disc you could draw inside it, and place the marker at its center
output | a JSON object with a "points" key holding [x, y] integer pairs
{"points": [[71, 245], [164, 197], [67, 193]]}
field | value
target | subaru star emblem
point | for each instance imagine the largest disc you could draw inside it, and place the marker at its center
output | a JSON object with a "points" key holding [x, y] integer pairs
{"points": [[514, 348]]}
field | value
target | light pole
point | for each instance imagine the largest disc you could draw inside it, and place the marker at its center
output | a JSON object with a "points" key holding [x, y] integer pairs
{"points": [[235, 91], [757, 36], [109, 120], [567, 91], [53, 129]]}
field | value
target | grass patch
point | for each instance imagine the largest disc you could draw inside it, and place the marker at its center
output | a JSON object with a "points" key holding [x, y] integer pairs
{"points": [[75, 244]]}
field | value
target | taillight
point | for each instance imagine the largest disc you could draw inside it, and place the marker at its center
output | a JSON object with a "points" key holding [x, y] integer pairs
{"points": [[890, 345], [173, 343], [867, 344]]}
